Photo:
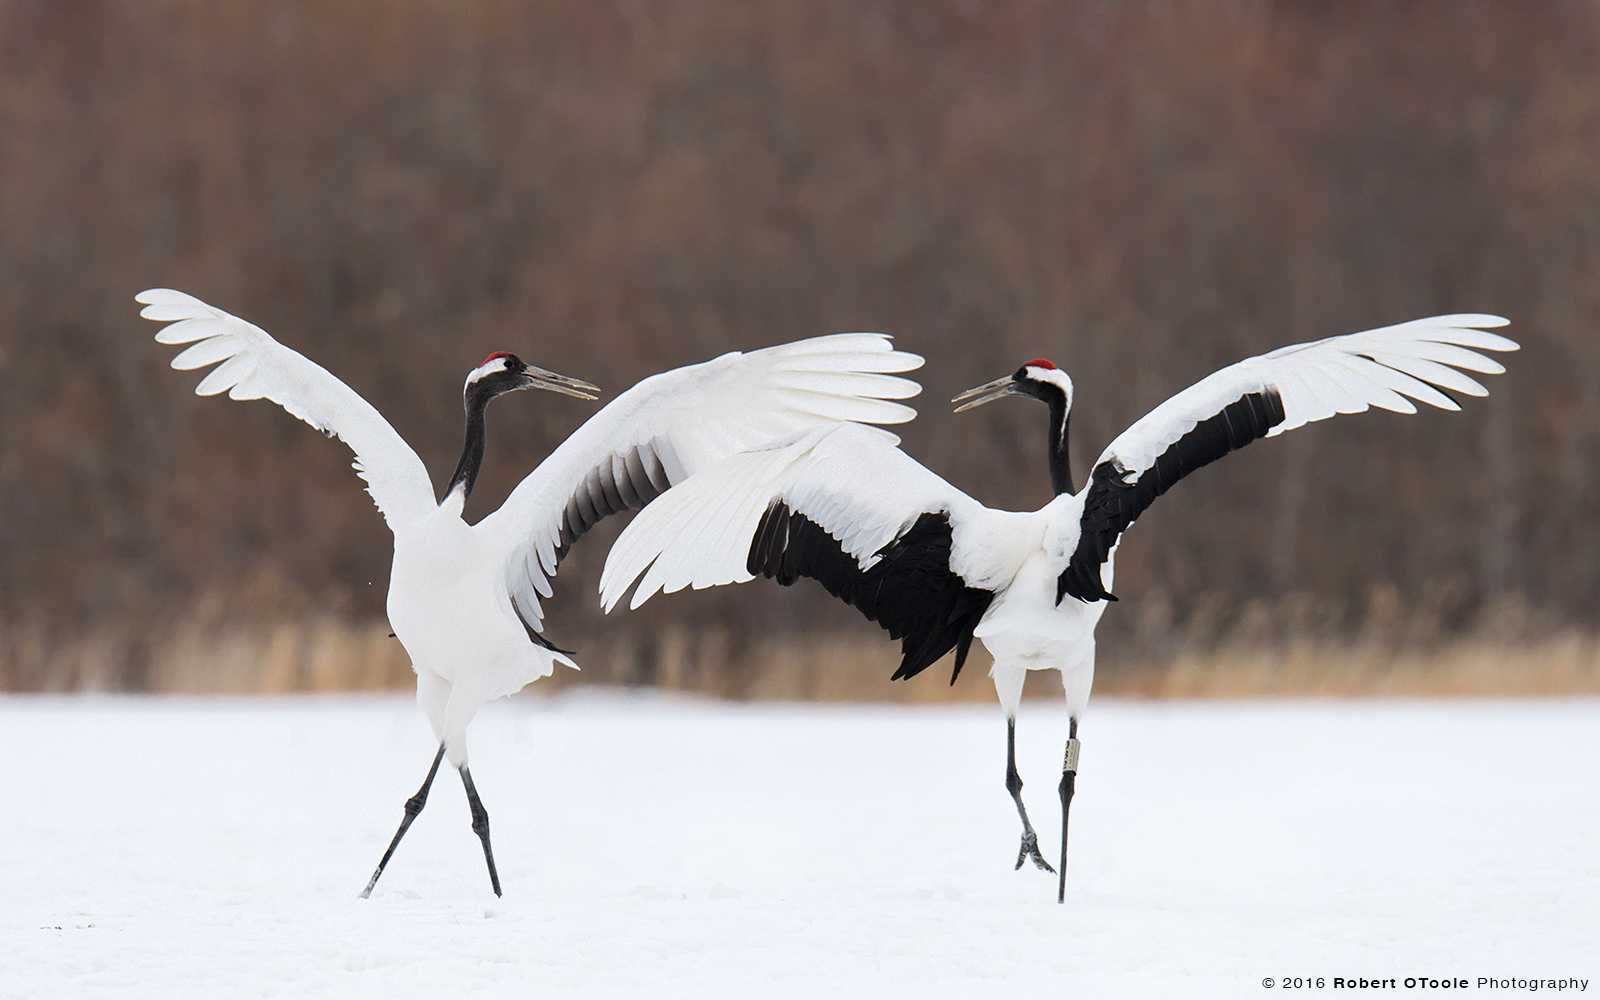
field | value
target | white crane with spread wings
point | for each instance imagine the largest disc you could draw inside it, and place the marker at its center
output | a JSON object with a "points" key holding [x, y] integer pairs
{"points": [[464, 598], [846, 507]]}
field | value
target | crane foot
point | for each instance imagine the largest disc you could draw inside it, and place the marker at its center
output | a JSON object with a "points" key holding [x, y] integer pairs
{"points": [[1030, 850]]}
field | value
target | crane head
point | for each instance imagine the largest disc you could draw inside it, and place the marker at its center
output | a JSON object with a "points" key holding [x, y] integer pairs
{"points": [[1038, 378], [505, 372]]}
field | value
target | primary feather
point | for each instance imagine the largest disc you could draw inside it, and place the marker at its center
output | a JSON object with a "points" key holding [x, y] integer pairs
{"points": [[254, 366]]}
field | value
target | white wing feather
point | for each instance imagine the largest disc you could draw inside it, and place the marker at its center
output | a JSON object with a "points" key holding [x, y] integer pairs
{"points": [[692, 417], [1346, 374], [254, 366], [850, 480]]}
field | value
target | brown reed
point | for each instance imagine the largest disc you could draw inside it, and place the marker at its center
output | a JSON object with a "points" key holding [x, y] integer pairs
{"points": [[202, 655]]}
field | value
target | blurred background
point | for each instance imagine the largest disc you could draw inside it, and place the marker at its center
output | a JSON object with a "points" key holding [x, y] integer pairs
{"points": [[1141, 191]]}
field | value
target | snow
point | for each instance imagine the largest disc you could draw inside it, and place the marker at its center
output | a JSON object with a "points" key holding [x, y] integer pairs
{"points": [[663, 847]]}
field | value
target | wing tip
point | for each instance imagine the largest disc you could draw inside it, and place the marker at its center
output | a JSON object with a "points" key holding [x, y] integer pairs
{"points": [[860, 342], [1481, 324], [166, 305]]}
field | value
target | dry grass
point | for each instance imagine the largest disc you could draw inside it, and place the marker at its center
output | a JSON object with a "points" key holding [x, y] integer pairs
{"points": [[326, 654], [1563, 664], [199, 657]]}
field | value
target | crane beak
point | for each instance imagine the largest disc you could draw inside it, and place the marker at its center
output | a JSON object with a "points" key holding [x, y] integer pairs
{"points": [[987, 393], [539, 378]]}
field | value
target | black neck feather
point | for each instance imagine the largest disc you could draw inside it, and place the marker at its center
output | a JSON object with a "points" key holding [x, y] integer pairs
{"points": [[471, 451], [476, 400], [1060, 469]]}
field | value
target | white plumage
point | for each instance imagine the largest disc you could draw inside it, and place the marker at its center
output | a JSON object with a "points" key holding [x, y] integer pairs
{"points": [[1345, 374], [464, 599], [935, 567]]}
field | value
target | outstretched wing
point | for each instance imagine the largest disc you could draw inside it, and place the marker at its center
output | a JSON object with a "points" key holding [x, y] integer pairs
{"points": [[842, 506], [1267, 395], [670, 425], [251, 365]]}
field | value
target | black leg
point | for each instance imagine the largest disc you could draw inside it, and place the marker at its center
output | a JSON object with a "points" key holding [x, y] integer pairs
{"points": [[413, 806], [1030, 840], [1069, 779], [480, 825]]}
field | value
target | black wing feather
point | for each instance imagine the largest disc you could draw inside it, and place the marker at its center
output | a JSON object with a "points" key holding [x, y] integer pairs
{"points": [[602, 493], [1112, 503], [910, 590]]}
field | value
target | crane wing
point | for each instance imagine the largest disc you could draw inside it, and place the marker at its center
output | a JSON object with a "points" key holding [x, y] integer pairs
{"points": [[1266, 395], [673, 424], [251, 365], [842, 506]]}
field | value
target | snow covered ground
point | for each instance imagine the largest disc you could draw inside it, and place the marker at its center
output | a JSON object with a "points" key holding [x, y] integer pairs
{"points": [[660, 847]]}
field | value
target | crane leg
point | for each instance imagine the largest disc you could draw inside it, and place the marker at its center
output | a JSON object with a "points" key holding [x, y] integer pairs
{"points": [[480, 825], [413, 806], [1069, 780], [1030, 840]]}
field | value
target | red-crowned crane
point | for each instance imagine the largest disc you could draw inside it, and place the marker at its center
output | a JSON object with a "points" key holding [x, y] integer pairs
{"points": [[464, 598], [846, 507]]}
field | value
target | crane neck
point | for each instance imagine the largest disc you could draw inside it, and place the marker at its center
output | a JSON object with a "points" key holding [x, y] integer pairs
{"points": [[1060, 469], [476, 401]]}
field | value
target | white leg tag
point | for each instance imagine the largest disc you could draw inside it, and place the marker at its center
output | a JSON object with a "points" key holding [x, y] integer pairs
{"points": [[1070, 765]]}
